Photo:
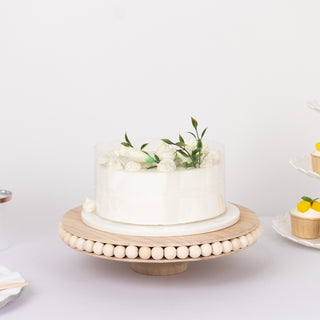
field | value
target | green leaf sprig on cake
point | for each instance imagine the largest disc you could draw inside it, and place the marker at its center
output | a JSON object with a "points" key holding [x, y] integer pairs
{"points": [[168, 156], [193, 156]]}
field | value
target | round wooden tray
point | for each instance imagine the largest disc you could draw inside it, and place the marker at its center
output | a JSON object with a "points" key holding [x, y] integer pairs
{"points": [[159, 255]]}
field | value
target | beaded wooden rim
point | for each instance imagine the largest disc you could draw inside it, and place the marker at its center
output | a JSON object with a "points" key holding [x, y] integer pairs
{"points": [[118, 247]]}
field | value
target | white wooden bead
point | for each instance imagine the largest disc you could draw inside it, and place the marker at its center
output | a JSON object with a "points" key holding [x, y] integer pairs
{"points": [[61, 232], [250, 239], [194, 251], [145, 253], [67, 237], [170, 253], [227, 246], [97, 248], [72, 241], [88, 245], [119, 252], [243, 242], [108, 250], [157, 253], [80, 244], [132, 252], [182, 252], [259, 230], [217, 248], [235, 244], [206, 250]]}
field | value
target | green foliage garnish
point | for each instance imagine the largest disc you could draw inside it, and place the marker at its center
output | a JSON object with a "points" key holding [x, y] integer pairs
{"points": [[192, 158], [183, 153], [193, 134], [195, 155], [128, 144], [156, 159], [152, 167], [167, 141], [194, 123], [203, 132], [143, 146], [309, 199]]}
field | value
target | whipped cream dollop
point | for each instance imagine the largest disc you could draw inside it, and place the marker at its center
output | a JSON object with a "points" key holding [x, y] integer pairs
{"points": [[115, 164], [89, 205], [133, 166], [108, 156], [165, 151], [210, 159], [316, 153], [133, 159], [312, 214], [166, 165]]}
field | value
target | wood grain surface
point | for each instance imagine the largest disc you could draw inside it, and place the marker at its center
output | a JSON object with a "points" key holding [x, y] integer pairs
{"points": [[72, 223]]}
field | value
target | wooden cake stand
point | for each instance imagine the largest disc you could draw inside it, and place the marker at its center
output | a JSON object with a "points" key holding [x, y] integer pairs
{"points": [[159, 255]]}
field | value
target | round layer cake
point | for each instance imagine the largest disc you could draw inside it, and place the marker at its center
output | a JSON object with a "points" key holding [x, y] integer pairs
{"points": [[167, 192]]}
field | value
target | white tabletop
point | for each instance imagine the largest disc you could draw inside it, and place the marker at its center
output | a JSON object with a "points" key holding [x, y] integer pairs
{"points": [[274, 279]]}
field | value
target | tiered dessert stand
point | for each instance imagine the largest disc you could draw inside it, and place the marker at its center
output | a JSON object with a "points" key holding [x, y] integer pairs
{"points": [[303, 164], [159, 255]]}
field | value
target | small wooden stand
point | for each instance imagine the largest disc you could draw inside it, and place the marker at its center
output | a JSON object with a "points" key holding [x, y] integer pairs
{"points": [[203, 246]]}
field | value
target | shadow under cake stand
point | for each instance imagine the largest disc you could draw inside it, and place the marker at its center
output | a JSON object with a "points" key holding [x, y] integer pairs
{"points": [[160, 255]]}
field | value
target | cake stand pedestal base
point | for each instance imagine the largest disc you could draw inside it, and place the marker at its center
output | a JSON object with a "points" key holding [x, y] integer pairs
{"points": [[160, 256], [159, 269]]}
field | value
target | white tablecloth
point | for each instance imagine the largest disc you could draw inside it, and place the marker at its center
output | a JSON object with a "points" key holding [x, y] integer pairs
{"points": [[274, 279]]}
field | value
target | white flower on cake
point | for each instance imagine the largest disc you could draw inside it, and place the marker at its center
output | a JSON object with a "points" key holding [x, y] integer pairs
{"points": [[135, 154], [191, 145], [166, 165], [89, 206], [165, 151], [192, 153], [210, 159], [107, 157], [115, 164], [133, 166]]}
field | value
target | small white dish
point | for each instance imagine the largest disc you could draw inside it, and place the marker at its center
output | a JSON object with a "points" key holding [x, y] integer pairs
{"points": [[282, 225], [304, 165], [8, 276]]}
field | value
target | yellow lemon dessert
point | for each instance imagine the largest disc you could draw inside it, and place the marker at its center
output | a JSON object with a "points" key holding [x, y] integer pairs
{"points": [[305, 219], [315, 157]]}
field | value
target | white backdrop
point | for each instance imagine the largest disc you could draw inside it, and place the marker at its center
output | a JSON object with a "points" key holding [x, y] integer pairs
{"points": [[74, 73]]}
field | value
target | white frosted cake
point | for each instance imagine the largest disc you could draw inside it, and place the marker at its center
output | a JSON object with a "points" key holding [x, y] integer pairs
{"points": [[159, 184]]}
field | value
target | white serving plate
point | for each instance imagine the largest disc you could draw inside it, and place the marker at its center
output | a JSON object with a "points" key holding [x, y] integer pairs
{"points": [[227, 219], [8, 276], [282, 225], [304, 165]]}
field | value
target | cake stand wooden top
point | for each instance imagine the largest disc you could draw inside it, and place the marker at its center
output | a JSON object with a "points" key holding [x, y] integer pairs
{"points": [[72, 223]]}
